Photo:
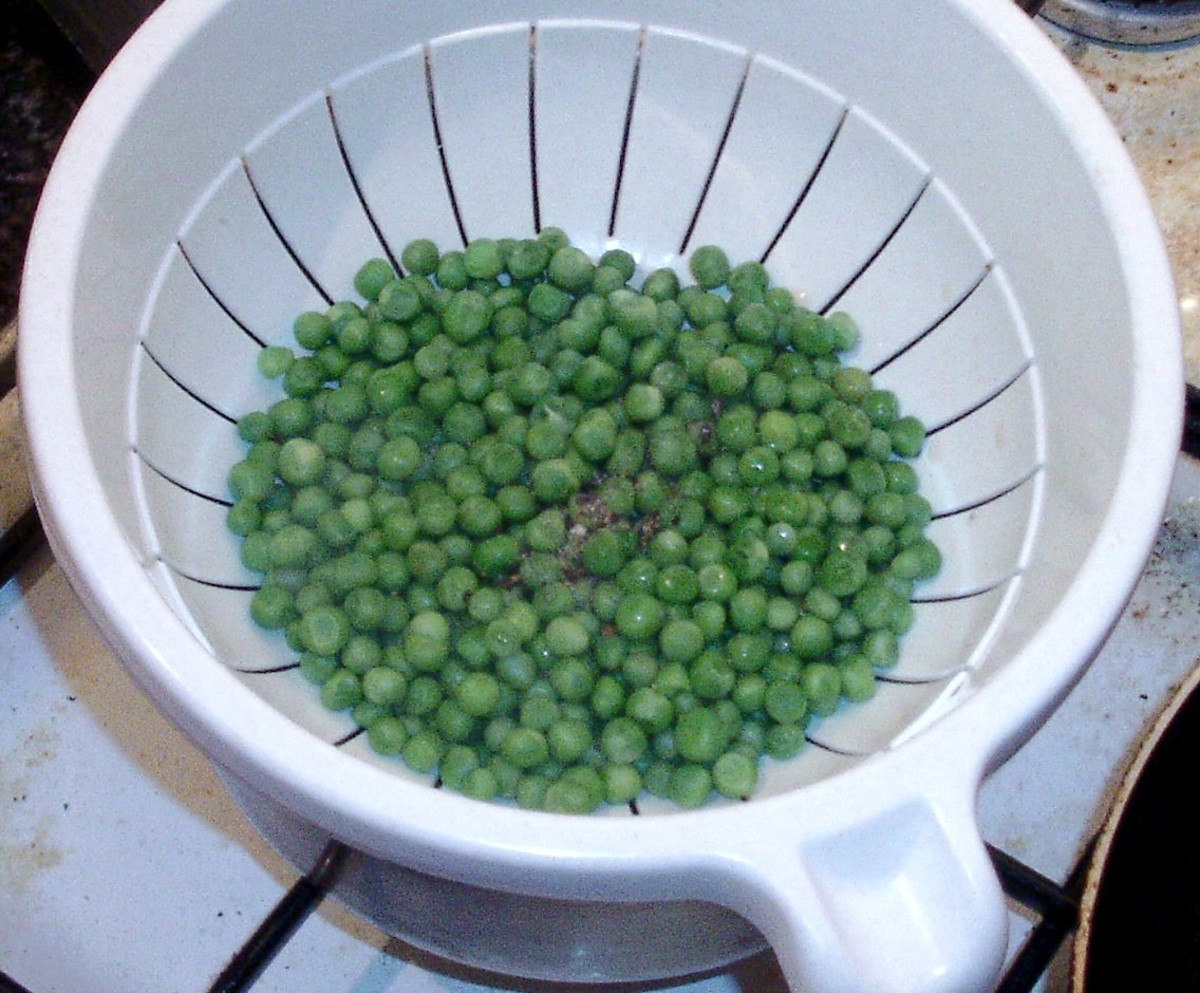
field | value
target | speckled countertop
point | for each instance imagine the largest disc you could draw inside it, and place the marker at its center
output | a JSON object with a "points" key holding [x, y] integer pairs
{"points": [[1153, 97]]}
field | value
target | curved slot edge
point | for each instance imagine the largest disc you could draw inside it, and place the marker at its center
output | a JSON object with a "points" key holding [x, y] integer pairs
{"points": [[193, 338], [187, 533], [966, 594], [184, 438], [531, 97], [232, 250], [748, 196], [622, 153], [993, 396], [861, 729], [491, 190], [387, 136], [349, 737], [921, 335], [581, 64], [297, 173], [299, 701], [278, 232], [807, 187], [203, 401], [216, 297], [222, 614], [931, 262], [392, 257], [983, 501], [166, 477], [686, 88], [431, 95], [716, 161], [983, 547], [948, 635], [854, 277], [867, 181], [972, 355], [977, 456]]}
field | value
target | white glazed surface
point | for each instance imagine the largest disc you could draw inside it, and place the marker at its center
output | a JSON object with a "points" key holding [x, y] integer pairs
{"points": [[910, 807]]}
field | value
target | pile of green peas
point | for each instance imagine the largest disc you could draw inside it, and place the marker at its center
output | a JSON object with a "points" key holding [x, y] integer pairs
{"points": [[558, 540]]}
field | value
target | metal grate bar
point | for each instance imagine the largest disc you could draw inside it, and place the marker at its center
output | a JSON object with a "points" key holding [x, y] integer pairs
{"points": [[1190, 444], [17, 543], [10, 985], [1058, 906], [280, 924]]}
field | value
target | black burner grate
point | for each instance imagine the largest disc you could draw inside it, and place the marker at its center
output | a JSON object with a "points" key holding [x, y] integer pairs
{"points": [[1058, 907]]}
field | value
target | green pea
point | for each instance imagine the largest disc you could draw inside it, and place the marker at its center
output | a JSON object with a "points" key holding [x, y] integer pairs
{"points": [[639, 616], [342, 690], [681, 640], [604, 553], [709, 266]]}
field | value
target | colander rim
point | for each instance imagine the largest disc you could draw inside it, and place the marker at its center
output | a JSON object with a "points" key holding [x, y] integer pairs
{"points": [[369, 806]]}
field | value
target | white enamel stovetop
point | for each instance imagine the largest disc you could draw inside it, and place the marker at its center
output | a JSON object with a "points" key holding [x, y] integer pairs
{"points": [[126, 868]]}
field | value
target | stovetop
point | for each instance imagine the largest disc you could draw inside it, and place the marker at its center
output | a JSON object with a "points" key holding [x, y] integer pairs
{"points": [[125, 866]]}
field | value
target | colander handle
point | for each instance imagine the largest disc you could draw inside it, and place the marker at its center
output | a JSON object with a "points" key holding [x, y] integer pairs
{"points": [[905, 902]]}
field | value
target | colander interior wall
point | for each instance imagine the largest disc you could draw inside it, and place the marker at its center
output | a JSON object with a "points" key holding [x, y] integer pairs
{"points": [[935, 169], [866, 182]]}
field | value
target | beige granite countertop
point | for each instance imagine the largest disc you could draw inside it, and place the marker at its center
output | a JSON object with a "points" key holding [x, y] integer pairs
{"points": [[15, 493], [1152, 95]]}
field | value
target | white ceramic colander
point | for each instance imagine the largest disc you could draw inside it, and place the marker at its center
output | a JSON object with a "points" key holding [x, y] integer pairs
{"points": [[935, 169]]}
